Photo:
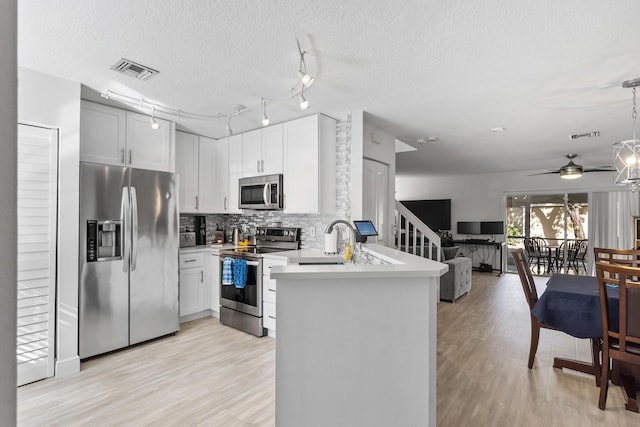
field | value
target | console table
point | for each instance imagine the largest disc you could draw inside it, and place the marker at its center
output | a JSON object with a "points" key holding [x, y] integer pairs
{"points": [[472, 247]]}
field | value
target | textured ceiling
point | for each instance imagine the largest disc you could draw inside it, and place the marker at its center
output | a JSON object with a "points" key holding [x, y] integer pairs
{"points": [[451, 69]]}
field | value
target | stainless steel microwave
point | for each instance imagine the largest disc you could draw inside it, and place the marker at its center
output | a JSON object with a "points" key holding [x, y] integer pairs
{"points": [[261, 192]]}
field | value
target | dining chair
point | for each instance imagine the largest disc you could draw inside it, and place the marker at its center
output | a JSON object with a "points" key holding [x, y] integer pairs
{"points": [[581, 256], [628, 257], [622, 341], [531, 294], [535, 254], [572, 248]]}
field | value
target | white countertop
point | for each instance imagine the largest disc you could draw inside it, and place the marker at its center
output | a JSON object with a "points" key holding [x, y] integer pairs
{"points": [[402, 265]]}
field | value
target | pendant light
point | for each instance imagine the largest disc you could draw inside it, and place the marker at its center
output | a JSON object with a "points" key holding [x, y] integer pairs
{"points": [[626, 154]]}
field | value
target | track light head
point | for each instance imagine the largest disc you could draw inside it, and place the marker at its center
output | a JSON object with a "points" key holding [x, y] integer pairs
{"points": [[305, 78], [265, 119], [154, 123], [304, 103]]}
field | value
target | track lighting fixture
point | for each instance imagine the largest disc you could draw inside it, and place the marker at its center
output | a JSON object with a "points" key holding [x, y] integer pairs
{"points": [[304, 77], [303, 81], [265, 119], [154, 123], [304, 103]]}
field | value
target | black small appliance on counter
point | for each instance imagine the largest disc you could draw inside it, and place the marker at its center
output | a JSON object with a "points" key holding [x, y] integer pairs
{"points": [[201, 230]]}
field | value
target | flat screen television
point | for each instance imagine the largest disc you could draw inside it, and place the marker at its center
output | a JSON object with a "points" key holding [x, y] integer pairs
{"points": [[469, 227], [492, 227], [436, 214]]}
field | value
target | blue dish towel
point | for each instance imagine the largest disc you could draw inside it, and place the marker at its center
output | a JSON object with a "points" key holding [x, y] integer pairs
{"points": [[239, 273], [227, 272]]}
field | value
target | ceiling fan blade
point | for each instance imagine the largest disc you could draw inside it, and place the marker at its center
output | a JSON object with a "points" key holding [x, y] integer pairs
{"points": [[545, 173], [600, 169]]}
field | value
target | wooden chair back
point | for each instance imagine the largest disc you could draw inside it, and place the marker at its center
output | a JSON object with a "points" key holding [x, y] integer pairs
{"points": [[526, 278], [628, 257], [623, 339]]}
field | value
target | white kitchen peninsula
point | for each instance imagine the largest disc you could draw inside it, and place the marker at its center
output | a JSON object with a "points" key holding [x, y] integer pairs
{"points": [[356, 343]]}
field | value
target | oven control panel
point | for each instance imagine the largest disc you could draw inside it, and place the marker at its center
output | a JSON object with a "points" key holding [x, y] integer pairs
{"points": [[283, 234]]}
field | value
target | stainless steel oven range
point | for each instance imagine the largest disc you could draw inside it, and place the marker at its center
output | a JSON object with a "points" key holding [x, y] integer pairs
{"points": [[241, 308]]}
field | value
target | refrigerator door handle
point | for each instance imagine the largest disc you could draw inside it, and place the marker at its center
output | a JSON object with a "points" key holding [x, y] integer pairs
{"points": [[125, 231], [134, 228]]}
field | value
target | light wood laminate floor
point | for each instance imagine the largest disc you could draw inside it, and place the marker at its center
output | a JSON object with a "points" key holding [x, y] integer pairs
{"points": [[212, 375]]}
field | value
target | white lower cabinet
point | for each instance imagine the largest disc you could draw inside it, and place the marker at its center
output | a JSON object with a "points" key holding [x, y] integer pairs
{"points": [[199, 285], [191, 284], [269, 294]]}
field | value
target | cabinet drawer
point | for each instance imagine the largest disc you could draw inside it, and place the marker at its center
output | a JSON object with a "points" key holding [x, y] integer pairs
{"points": [[269, 291], [191, 260], [269, 315]]}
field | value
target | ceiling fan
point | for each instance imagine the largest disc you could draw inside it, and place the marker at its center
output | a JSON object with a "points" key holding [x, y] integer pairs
{"points": [[574, 171]]}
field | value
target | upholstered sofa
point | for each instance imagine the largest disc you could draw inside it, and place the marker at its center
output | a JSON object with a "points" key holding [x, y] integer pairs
{"points": [[457, 281]]}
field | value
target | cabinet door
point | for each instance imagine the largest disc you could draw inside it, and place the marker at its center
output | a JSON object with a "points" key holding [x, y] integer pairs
{"points": [[213, 283], [301, 166], [102, 134], [235, 171], [252, 153], [149, 148], [271, 162], [191, 280], [187, 169], [207, 175], [221, 182]]}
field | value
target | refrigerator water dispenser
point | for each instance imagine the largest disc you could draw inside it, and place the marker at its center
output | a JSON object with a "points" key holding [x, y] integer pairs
{"points": [[103, 240]]}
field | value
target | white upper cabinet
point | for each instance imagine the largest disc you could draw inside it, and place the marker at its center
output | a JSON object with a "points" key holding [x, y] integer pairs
{"points": [[207, 175], [272, 156], [187, 169], [235, 172], [262, 151], [116, 137], [310, 165], [251, 152], [102, 134], [149, 148], [196, 161], [220, 176]]}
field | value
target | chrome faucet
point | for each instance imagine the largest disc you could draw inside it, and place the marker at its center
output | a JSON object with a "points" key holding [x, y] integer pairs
{"points": [[341, 221], [352, 231]]}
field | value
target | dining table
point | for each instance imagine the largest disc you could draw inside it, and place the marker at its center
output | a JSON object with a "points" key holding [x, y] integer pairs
{"points": [[571, 304]]}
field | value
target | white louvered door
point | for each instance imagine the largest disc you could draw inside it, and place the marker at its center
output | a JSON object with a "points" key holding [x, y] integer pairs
{"points": [[37, 219]]}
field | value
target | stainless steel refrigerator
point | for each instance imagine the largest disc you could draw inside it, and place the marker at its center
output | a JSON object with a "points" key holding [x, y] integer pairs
{"points": [[128, 257]]}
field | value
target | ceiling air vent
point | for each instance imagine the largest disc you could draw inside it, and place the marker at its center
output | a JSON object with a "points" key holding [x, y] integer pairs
{"points": [[584, 135], [134, 69]]}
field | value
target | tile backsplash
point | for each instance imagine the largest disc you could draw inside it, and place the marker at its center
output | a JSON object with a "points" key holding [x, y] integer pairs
{"points": [[312, 226]]}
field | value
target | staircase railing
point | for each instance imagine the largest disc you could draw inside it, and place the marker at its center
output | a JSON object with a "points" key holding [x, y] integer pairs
{"points": [[414, 236]]}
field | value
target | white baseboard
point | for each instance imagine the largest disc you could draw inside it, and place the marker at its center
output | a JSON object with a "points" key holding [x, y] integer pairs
{"points": [[67, 366]]}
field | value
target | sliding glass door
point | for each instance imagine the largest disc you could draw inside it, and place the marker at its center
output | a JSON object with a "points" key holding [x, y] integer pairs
{"points": [[552, 228]]}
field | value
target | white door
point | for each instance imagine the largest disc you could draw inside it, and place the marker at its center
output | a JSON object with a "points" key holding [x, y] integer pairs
{"points": [[375, 197], [37, 200]]}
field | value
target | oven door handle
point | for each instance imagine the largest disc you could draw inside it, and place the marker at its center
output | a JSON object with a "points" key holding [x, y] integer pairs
{"points": [[251, 263], [266, 193]]}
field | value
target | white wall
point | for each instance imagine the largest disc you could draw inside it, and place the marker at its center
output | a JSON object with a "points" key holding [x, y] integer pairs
{"points": [[380, 146], [52, 102], [363, 147], [8, 222], [480, 197]]}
